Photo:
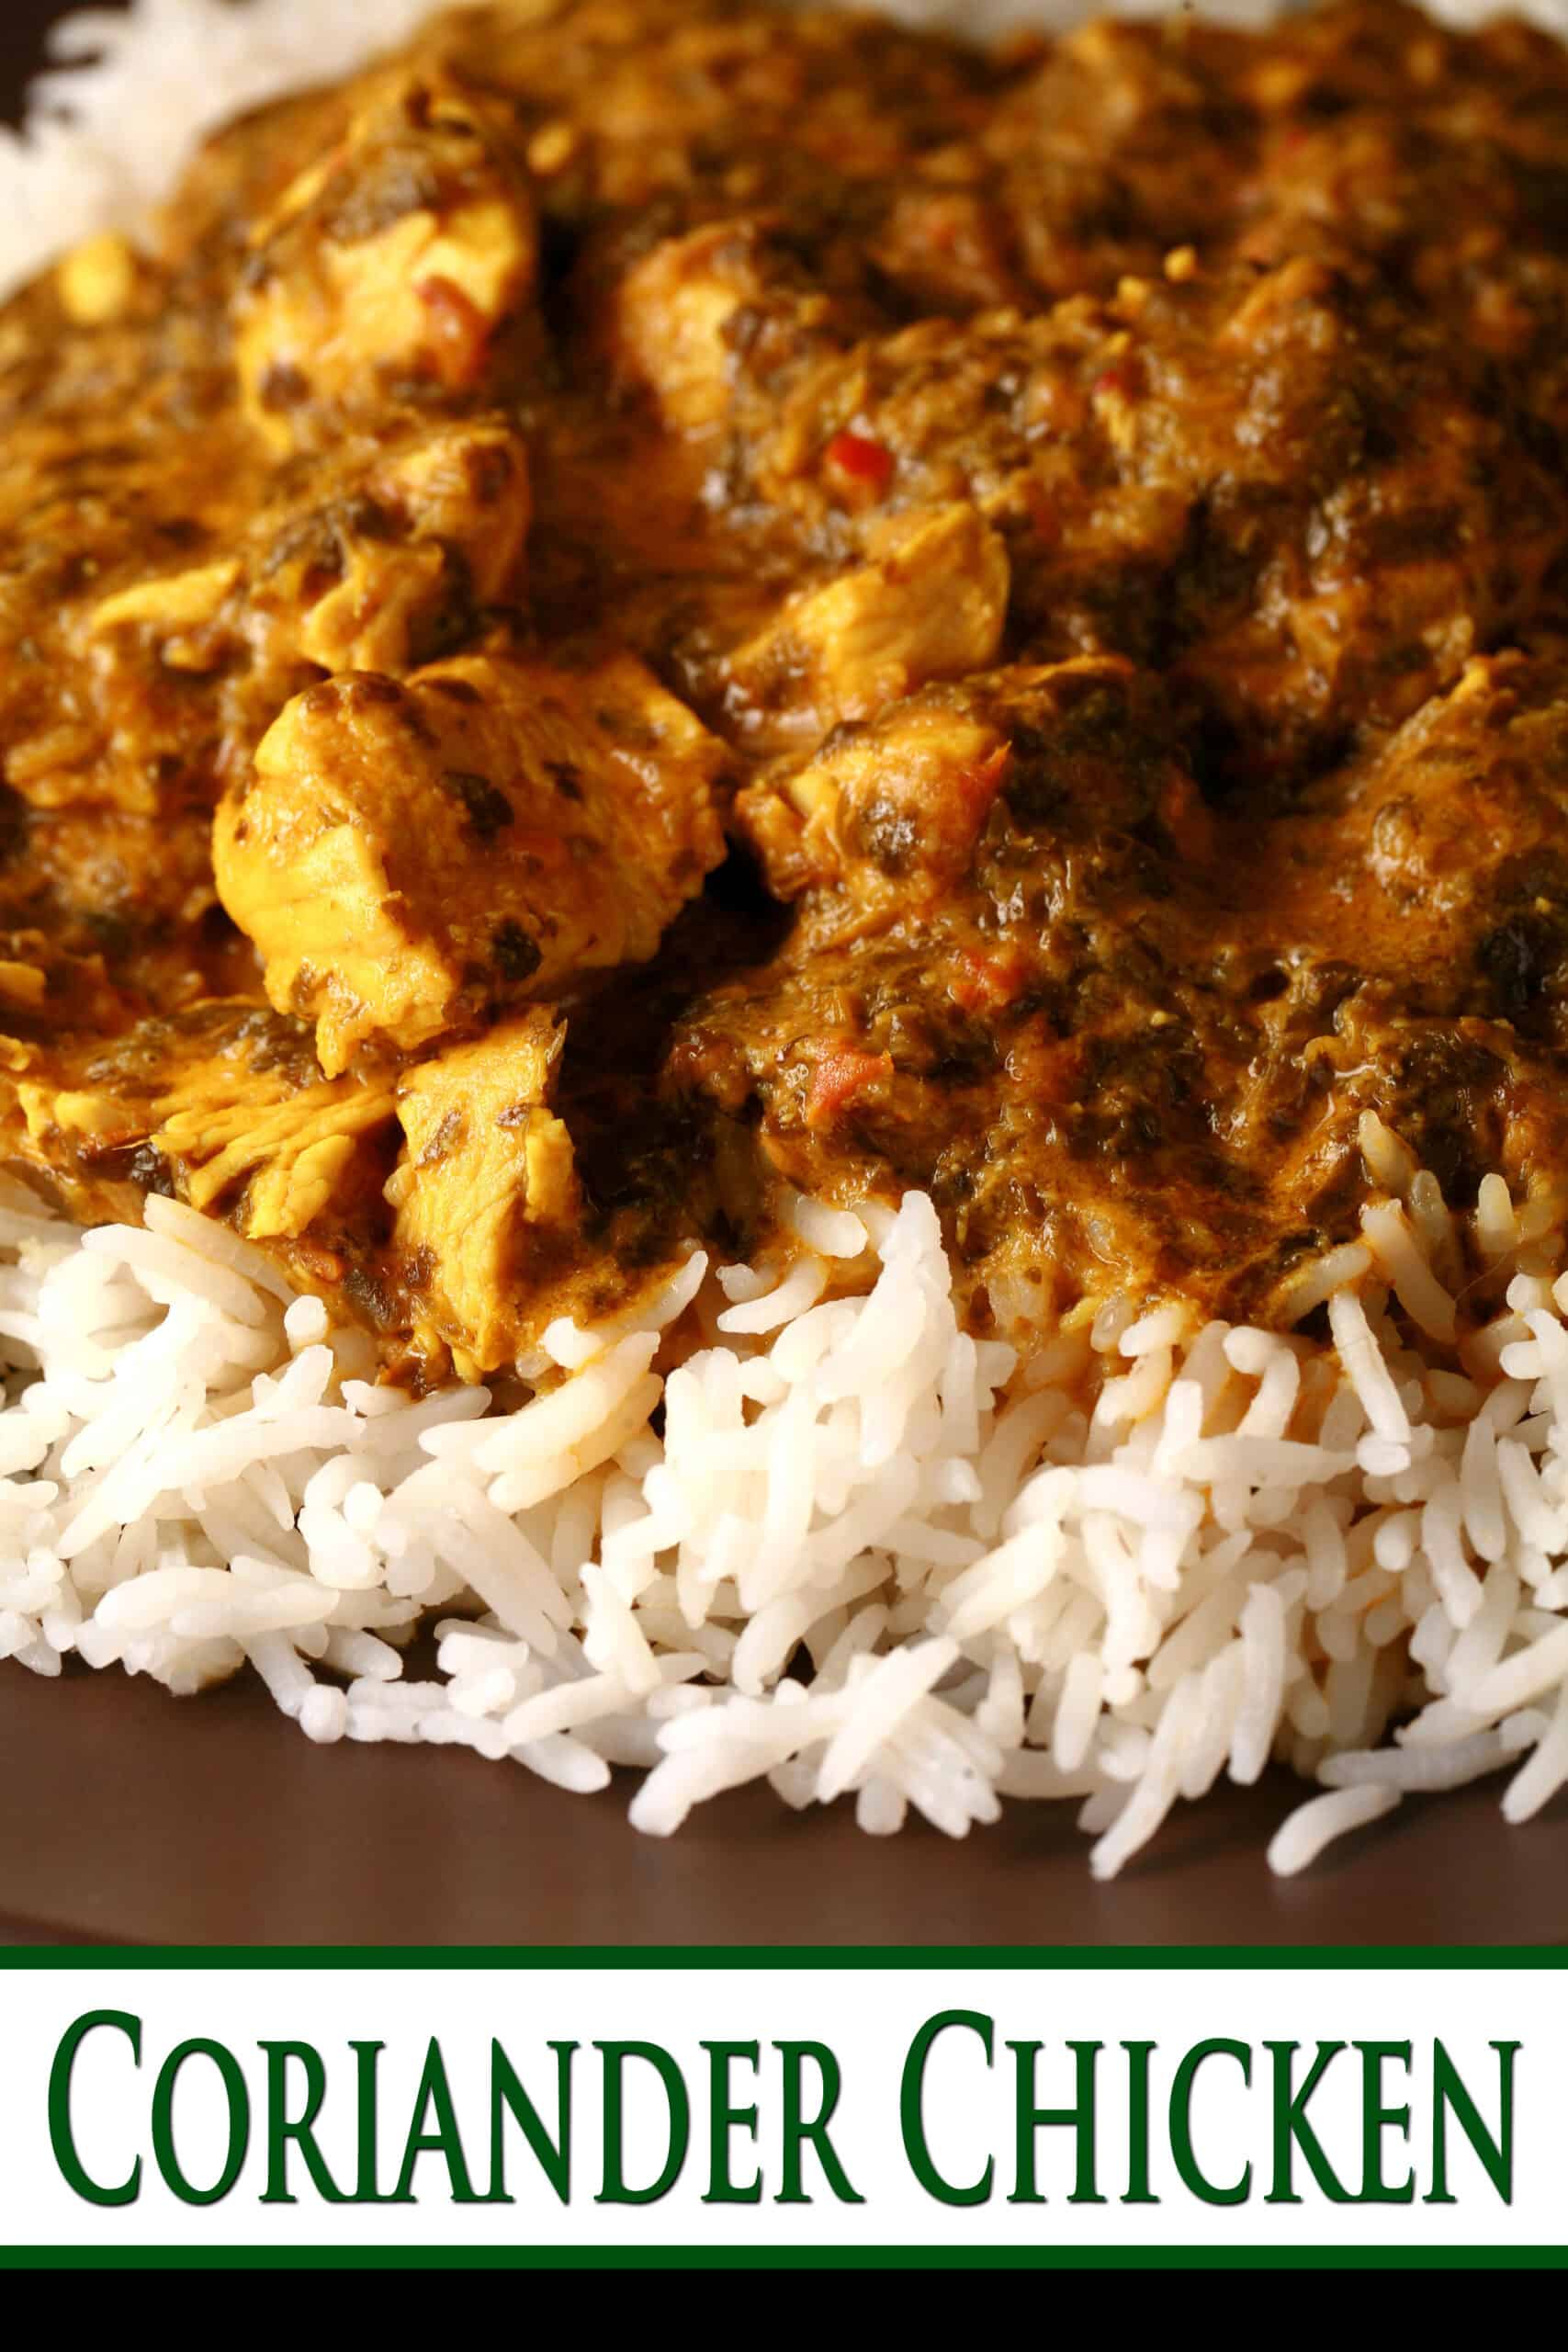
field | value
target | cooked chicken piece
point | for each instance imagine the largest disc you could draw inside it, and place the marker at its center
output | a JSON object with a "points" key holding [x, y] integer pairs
{"points": [[485, 1186], [896, 809], [381, 559], [929, 756], [405, 556], [170, 604], [411, 545], [228, 1126], [408, 857], [930, 602], [226, 1110], [726, 303], [671, 317], [22, 983], [397, 263]]}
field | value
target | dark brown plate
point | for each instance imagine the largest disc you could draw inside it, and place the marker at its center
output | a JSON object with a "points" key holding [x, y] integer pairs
{"points": [[130, 1816]]}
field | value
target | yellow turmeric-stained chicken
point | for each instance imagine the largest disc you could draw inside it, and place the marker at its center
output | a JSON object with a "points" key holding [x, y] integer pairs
{"points": [[401, 262], [485, 1196], [638, 607], [409, 858], [929, 601], [400, 563]]}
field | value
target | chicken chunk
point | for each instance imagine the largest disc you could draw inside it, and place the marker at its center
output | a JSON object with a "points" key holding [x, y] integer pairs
{"points": [[220, 1106], [485, 1188], [894, 810], [930, 602], [373, 560], [670, 322], [397, 264], [379, 560], [410, 856], [172, 604], [725, 304], [403, 556], [230, 1125]]}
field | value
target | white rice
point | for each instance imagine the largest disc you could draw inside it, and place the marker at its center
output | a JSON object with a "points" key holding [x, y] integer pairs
{"points": [[1300, 1839], [1001, 1588], [1144, 1557]]}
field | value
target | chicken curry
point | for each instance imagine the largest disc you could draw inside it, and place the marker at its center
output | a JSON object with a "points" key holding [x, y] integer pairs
{"points": [[656, 603]]}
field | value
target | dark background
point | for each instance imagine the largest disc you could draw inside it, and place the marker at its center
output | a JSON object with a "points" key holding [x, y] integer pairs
{"points": [[127, 1816], [23, 24]]}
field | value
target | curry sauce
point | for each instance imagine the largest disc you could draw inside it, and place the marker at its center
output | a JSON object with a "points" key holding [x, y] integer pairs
{"points": [[646, 605]]}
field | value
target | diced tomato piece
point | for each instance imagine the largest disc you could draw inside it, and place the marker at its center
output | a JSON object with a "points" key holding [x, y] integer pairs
{"points": [[842, 1074], [954, 824], [988, 977], [861, 460], [1043, 512], [1116, 383]]}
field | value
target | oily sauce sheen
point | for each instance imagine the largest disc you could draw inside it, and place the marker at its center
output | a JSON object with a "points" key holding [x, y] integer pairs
{"points": [[645, 606]]}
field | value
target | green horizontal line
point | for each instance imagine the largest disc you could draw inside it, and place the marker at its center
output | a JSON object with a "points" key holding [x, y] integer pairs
{"points": [[864, 2257], [876, 1957]]}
